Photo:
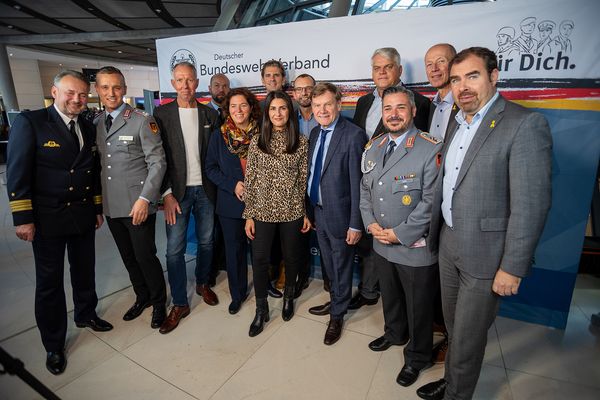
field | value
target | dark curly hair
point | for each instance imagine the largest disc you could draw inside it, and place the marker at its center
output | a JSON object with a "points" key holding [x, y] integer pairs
{"points": [[255, 114]]}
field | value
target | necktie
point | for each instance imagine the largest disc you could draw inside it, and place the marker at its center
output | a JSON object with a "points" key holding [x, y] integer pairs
{"points": [[73, 132], [109, 119], [389, 151], [316, 176]]}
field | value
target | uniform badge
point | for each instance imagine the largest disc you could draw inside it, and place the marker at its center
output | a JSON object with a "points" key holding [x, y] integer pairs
{"points": [[410, 142], [51, 143], [127, 113], [153, 127], [438, 160], [406, 200]]}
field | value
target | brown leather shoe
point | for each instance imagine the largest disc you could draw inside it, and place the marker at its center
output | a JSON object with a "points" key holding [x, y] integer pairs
{"points": [[176, 314], [207, 294], [334, 331]]}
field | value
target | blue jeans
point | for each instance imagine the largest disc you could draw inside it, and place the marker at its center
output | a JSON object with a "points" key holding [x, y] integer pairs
{"points": [[194, 201]]}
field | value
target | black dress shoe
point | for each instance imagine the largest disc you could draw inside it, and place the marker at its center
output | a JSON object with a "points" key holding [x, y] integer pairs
{"points": [[135, 311], [272, 292], [433, 391], [408, 375], [56, 362], [320, 310], [382, 344], [234, 307], [300, 286], [359, 300], [159, 314], [334, 331], [95, 324]]}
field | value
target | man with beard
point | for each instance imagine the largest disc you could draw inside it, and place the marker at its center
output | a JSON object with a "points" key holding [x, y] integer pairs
{"points": [[489, 209], [303, 87], [399, 170], [386, 70], [218, 89]]}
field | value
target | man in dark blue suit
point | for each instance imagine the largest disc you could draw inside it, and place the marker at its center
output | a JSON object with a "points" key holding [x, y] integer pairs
{"points": [[334, 192], [53, 182]]}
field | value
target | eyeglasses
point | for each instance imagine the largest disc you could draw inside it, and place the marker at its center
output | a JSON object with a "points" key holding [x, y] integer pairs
{"points": [[304, 89]]}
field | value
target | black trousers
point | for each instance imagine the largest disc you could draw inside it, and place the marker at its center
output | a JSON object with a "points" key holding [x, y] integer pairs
{"points": [[138, 252], [291, 237], [407, 294], [236, 253], [50, 302]]}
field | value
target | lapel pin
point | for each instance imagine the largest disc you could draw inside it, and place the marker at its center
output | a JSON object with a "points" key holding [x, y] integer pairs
{"points": [[493, 124]]}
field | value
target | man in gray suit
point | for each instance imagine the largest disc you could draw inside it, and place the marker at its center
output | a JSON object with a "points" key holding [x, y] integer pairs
{"points": [[399, 170], [492, 196], [133, 167]]}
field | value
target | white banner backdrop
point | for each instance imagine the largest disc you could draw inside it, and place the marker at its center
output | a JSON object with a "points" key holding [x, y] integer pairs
{"points": [[533, 39]]}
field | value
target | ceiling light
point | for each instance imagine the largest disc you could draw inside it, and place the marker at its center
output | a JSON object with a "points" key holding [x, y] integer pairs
{"points": [[10, 55], [130, 67], [120, 52], [10, 26], [91, 8], [86, 65]]}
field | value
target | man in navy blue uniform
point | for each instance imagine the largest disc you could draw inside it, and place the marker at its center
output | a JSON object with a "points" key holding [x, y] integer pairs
{"points": [[54, 192]]}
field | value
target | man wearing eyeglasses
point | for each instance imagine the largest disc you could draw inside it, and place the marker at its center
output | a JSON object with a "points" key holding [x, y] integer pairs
{"points": [[303, 87]]}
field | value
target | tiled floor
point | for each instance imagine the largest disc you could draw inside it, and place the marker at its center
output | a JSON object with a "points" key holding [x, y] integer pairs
{"points": [[210, 356]]}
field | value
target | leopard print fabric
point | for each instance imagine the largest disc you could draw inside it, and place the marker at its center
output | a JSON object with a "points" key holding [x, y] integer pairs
{"points": [[276, 183]]}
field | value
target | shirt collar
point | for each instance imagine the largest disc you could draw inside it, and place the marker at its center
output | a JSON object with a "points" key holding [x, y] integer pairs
{"points": [[447, 98], [331, 127], [480, 114], [115, 113], [411, 131], [301, 118], [376, 93], [214, 105], [65, 119]]}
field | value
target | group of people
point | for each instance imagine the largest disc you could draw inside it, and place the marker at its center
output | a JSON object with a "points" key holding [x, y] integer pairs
{"points": [[443, 201]]}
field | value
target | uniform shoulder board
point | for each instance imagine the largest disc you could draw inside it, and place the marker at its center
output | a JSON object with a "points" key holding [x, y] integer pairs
{"points": [[370, 142], [142, 112], [429, 138], [97, 116]]}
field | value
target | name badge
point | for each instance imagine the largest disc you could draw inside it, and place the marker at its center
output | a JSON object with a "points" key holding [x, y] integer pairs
{"points": [[126, 138]]}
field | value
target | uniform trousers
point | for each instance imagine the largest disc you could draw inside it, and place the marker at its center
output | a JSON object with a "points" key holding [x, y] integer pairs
{"points": [[50, 302], [470, 307], [407, 294], [236, 249], [338, 260], [138, 251], [291, 237]]}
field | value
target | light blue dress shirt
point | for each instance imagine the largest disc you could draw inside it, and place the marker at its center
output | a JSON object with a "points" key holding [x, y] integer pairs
{"points": [[306, 125], [456, 154], [441, 115], [374, 114], [115, 113], [330, 128]]}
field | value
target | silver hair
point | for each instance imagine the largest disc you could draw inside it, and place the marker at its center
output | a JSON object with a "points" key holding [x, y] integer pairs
{"points": [[71, 73], [390, 53], [187, 64]]}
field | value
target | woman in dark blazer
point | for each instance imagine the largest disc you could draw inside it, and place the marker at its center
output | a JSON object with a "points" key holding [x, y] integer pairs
{"points": [[226, 167]]}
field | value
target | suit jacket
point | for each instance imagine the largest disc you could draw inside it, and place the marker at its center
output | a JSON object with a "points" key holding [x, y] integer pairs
{"points": [[340, 177], [364, 104], [502, 193], [50, 181], [224, 169], [399, 195], [133, 161], [167, 117]]}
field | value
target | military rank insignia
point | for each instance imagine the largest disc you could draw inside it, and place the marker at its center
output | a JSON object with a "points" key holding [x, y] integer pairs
{"points": [[153, 127], [51, 143]]}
